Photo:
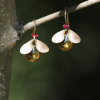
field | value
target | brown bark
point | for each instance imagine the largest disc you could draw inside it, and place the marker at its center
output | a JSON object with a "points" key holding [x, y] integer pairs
{"points": [[7, 42]]}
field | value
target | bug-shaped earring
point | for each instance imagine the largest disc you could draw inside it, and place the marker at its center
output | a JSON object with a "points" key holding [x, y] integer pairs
{"points": [[33, 48], [65, 38]]}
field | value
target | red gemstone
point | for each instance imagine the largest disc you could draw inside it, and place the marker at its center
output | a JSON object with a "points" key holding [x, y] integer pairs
{"points": [[32, 35], [67, 26], [36, 36]]}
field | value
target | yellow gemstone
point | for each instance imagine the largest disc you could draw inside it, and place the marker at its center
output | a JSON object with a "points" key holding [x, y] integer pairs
{"points": [[66, 44], [34, 55]]}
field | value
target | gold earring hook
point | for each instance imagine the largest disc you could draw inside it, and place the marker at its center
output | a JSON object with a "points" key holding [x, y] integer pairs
{"points": [[34, 29], [66, 19]]}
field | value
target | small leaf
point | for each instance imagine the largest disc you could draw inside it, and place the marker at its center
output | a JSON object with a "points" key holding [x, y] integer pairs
{"points": [[26, 48], [41, 47], [73, 37], [59, 36]]}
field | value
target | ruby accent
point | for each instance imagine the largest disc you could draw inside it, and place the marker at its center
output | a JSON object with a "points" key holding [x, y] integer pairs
{"points": [[32, 35], [36, 36], [67, 26]]}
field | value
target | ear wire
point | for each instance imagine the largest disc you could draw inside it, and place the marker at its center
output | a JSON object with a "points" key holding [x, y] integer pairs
{"points": [[34, 29], [66, 19]]}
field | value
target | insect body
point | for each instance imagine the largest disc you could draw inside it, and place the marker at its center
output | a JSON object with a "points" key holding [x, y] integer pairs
{"points": [[33, 49], [65, 39]]}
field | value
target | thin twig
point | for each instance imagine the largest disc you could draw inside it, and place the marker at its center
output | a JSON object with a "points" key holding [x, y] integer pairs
{"points": [[47, 18]]}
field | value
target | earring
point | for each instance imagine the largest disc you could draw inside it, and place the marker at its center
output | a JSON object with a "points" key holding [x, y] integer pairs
{"points": [[33, 48], [65, 38]]}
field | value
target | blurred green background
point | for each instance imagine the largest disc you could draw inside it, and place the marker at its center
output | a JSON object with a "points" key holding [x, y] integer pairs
{"points": [[58, 75]]}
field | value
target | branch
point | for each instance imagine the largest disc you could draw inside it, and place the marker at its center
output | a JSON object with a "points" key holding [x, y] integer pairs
{"points": [[47, 18]]}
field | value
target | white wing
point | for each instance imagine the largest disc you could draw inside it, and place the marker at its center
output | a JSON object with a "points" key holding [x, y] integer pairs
{"points": [[41, 47], [73, 37], [59, 36], [26, 48]]}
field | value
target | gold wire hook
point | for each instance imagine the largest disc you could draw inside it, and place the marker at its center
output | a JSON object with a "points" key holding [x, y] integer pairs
{"points": [[34, 29], [65, 14], [66, 20]]}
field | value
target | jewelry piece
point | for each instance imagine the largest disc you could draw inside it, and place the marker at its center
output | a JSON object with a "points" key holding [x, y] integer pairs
{"points": [[65, 38], [33, 48]]}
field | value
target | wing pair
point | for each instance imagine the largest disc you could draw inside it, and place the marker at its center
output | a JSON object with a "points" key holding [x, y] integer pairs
{"points": [[40, 46], [59, 36]]}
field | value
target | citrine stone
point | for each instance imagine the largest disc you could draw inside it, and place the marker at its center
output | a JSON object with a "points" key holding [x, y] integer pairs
{"points": [[66, 44], [34, 55]]}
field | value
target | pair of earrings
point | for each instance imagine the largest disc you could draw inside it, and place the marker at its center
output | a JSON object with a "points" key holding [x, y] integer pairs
{"points": [[65, 39]]}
